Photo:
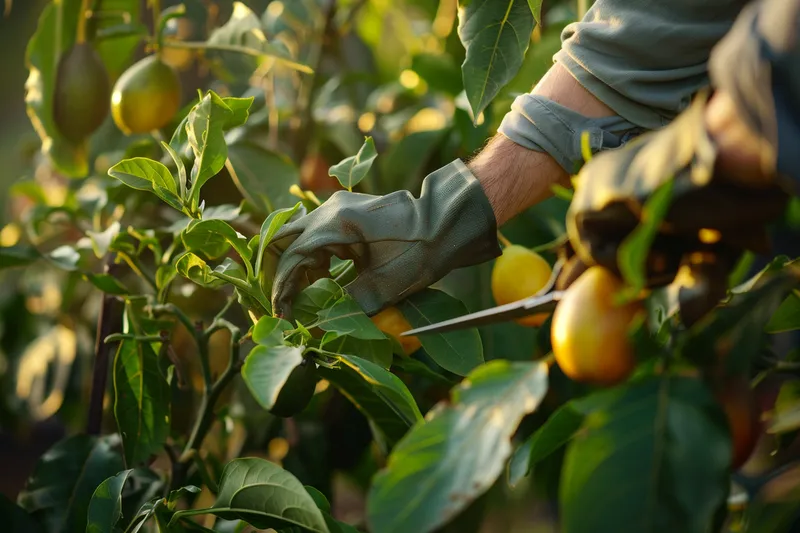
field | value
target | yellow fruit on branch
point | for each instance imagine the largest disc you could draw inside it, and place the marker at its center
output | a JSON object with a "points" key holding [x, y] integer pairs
{"points": [[518, 274], [392, 322], [590, 330], [146, 97]]}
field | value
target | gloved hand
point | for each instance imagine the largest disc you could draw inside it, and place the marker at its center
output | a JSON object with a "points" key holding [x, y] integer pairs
{"points": [[612, 189], [399, 244]]}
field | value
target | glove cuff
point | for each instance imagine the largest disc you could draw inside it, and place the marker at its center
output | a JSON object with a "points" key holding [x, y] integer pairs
{"points": [[539, 124]]}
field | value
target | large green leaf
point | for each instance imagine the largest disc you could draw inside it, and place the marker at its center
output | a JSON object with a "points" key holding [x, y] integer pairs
{"points": [[244, 33], [116, 51], [264, 495], [262, 176], [16, 256], [142, 404], [459, 351], [559, 428], [314, 298], [495, 34], [268, 331], [192, 267], [266, 370], [655, 459], [352, 170], [445, 463], [379, 351], [205, 133], [54, 36], [105, 508], [269, 228], [64, 479], [379, 394], [345, 317], [213, 238], [15, 519], [148, 175], [787, 316]]}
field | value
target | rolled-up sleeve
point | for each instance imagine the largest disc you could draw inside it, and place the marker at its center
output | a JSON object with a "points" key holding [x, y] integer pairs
{"points": [[645, 59]]}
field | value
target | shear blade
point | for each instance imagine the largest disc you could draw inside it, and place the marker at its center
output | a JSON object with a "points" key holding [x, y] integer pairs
{"points": [[530, 306]]}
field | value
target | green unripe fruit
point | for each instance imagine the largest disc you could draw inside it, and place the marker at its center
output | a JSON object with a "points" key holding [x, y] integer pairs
{"points": [[146, 97], [297, 391], [80, 102]]}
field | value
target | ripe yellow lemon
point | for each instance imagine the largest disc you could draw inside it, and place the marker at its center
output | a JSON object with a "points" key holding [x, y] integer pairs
{"points": [[146, 97], [518, 274], [392, 322], [590, 332]]}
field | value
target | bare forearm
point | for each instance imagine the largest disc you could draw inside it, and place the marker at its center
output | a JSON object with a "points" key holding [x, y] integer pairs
{"points": [[515, 178]]}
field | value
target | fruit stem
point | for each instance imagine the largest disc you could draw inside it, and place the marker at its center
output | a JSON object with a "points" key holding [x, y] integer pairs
{"points": [[80, 38], [505, 242], [155, 6]]}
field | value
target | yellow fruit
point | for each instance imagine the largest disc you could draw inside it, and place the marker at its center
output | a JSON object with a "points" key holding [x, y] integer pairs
{"points": [[80, 100], [146, 97], [518, 274], [590, 332], [392, 322]]}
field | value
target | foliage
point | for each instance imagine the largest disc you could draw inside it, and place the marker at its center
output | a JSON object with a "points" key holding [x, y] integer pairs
{"points": [[161, 246]]}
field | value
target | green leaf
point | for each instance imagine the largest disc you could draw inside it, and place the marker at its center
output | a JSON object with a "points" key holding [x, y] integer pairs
{"points": [[192, 267], [318, 296], [54, 35], [268, 331], [18, 255], [266, 370], [243, 33], [445, 463], [183, 181], [633, 252], [15, 519], [459, 351], [204, 129], [213, 238], [734, 332], [240, 110], [177, 495], [262, 176], [495, 34], [269, 228], [148, 175], [232, 272], [101, 240], [117, 41], [536, 10], [107, 283], [352, 170], [378, 351], [59, 491], [105, 508], [379, 394], [559, 428], [787, 316], [264, 495], [785, 416], [65, 257], [345, 317], [656, 458], [142, 404]]}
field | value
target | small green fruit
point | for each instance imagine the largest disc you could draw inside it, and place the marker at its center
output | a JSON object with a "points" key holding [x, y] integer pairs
{"points": [[297, 391], [80, 102], [146, 97]]}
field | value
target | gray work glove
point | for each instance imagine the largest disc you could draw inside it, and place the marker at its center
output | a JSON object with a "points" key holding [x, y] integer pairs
{"points": [[399, 244], [612, 189]]}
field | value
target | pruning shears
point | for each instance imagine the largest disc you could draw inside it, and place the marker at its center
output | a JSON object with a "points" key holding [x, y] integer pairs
{"points": [[543, 301]]}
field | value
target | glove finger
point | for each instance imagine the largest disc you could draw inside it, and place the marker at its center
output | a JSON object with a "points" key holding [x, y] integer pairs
{"points": [[293, 270]]}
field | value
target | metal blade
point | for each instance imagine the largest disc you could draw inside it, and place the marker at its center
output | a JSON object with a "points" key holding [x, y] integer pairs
{"points": [[530, 306]]}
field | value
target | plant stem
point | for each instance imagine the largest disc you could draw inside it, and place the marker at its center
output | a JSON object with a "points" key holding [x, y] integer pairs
{"points": [[80, 37], [155, 6], [205, 418], [108, 322], [505, 242]]}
